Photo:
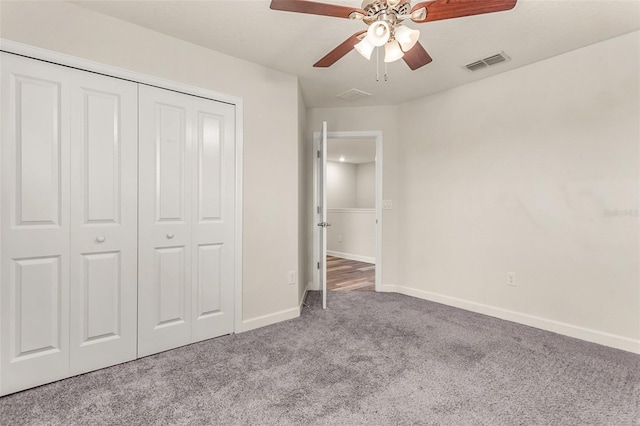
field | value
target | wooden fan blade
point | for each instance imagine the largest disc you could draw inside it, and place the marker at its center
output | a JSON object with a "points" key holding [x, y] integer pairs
{"points": [[447, 9], [337, 53], [417, 57], [314, 8]]}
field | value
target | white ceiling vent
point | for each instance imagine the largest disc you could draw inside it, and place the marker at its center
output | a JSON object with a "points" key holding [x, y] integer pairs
{"points": [[352, 94], [488, 61]]}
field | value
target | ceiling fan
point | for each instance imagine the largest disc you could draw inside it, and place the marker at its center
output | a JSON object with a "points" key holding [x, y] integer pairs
{"points": [[384, 19]]}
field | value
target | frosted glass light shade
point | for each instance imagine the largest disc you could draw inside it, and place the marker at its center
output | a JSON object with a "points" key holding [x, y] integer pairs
{"points": [[378, 33], [364, 48], [407, 37], [392, 51]]}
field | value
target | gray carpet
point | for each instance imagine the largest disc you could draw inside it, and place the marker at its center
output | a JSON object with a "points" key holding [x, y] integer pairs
{"points": [[375, 359]]}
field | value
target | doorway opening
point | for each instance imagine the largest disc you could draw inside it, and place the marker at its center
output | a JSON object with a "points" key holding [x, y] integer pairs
{"points": [[348, 211], [351, 211]]}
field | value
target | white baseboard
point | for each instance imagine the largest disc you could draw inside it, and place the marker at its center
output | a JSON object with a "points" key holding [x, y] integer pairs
{"points": [[600, 337], [311, 286], [264, 320], [350, 256]]}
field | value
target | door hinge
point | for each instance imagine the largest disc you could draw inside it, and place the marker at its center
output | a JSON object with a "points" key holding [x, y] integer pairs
{"points": [[318, 209], [318, 265], [318, 154]]}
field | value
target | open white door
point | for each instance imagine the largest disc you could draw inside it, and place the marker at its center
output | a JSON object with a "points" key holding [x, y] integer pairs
{"points": [[320, 202]]}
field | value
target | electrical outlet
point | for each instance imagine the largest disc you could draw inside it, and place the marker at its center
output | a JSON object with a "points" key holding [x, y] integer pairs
{"points": [[292, 277], [387, 204], [339, 238], [511, 279]]}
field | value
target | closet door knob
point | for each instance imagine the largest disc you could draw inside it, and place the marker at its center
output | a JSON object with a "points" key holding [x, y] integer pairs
{"points": [[100, 239], [170, 235]]}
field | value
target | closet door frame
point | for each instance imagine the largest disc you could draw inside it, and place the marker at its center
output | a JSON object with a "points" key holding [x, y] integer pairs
{"points": [[91, 66]]}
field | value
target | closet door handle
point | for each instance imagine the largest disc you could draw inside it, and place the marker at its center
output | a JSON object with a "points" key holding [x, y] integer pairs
{"points": [[100, 239], [170, 235]]}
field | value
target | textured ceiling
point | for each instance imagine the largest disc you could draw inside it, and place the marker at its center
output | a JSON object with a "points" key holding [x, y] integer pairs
{"points": [[292, 42]]}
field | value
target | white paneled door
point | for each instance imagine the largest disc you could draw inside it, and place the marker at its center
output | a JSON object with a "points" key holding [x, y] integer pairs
{"points": [[35, 223], [186, 222], [104, 216], [213, 219], [69, 222], [117, 221]]}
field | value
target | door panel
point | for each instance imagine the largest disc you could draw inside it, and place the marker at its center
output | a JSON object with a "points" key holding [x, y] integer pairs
{"points": [[38, 112], [210, 170], [213, 220], [35, 307], [34, 251], [101, 288], [103, 221], [164, 255], [208, 300], [170, 276], [170, 149], [101, 146]]}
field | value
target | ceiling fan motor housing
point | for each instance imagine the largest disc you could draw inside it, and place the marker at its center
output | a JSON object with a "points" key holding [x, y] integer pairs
{"points": [[381, 10]]}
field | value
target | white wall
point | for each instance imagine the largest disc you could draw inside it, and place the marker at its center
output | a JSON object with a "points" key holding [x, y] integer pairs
{"points": [[352, 234], [383, 118], [351, 204], [270, 128], [519, 173], [341, 185], [366, 185], [351, 185]]}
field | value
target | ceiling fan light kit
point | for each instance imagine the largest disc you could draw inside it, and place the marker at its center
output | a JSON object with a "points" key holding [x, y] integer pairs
{"points": [[378, 33], [364, 48], [392, 51], [384, 20], [407, 37]]}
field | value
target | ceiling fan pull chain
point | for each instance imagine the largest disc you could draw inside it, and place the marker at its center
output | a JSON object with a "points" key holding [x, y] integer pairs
{"points": [[377, 64], [386, 77]]}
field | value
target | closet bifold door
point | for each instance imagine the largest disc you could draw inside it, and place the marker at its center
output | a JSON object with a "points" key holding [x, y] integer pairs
{"points": [[164, 255], [104, 220], [213, 219], [34, 233], [186, 219]]}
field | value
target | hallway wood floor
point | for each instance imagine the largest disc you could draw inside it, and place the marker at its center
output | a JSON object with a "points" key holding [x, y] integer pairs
{"points": [[350, 275]]}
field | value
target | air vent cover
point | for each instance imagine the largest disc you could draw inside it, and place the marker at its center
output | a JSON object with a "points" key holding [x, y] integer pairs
{"points": [[352, 94], [474, 66], [489, 60]]}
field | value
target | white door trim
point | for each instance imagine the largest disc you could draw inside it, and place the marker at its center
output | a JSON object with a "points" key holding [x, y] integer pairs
{"points": [[365, 134], [110, 71]]}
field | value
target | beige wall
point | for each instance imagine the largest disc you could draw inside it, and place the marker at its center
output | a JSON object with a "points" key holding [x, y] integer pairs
{"points": [[351, 185], [383, 118], [366, 186], [341, 185], [520, 173], [352, 234], [271, 136]]}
